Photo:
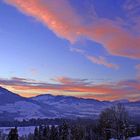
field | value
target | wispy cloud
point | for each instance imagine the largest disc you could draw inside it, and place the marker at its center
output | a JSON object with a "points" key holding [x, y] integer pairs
{"points": [[124, 89], [34, 71], [54, 14], [61, 18], [100, 60], [132, 9], [138, 71], [72, 81]]}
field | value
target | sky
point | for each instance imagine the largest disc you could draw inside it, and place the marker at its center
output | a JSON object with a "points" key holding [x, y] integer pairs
{"points": [[82, 48]]}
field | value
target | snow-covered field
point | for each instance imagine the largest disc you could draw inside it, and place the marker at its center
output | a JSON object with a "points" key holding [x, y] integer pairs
{"points": [[135, 138], [21, 130]]}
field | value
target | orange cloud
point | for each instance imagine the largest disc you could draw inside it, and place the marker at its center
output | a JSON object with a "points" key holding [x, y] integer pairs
{"points": [[71, 81], [116, 39], [54, 14], [124, 89], [61, 18]]}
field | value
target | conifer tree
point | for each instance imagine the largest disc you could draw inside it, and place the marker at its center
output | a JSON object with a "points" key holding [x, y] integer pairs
{"points": [[36, 134], [40, 132], [53, 133], [64, 131], [13, 134], [46, 133]]}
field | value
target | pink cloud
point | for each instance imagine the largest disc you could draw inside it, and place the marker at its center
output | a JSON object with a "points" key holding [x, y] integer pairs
{"points": [[71, 81], [79, 87], [61, 18], [54, 14], [138, 71], [100, 60], [132, 10], [34, 71], [117, 40]]}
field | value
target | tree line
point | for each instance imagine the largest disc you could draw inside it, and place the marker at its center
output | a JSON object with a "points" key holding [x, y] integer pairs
{"points": [[113, 122]]}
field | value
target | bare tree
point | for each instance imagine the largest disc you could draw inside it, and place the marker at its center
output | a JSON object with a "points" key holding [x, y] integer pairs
{"points": [[113, 122]]}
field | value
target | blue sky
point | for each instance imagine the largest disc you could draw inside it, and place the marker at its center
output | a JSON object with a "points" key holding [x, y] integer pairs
{"points": [[83, 43]]}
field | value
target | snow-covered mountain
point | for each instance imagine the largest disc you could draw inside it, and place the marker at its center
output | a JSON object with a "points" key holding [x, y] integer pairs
{"points": [[68, 106], [9, 97], [13, 106]]}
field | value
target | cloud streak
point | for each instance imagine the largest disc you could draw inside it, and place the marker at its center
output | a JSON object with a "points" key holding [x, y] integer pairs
{"points": [[137, 71], [72, 81], [124, 89], [61, 18], [100, 60]]}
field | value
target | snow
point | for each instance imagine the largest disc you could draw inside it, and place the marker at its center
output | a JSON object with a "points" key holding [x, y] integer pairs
{"points": [[23, 108], [49, 106], [70, 106], [21, 130], [135, 138]]}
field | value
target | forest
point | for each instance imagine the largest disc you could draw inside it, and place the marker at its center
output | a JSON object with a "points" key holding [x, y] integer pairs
{"points": [[113, 122]]}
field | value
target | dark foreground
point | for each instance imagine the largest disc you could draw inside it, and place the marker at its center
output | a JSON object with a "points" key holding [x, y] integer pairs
{"points": [[112, 123]]}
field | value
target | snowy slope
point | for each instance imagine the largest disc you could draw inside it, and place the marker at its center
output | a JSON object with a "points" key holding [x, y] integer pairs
{"points": [[72, 106], [13, 106], [22, 131], [79, 107], [135, 138], [9, 97]]}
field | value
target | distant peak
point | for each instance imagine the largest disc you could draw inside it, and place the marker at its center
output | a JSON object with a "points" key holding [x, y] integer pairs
{"points": [[2, 88], [6, 91], [121, 101], [46, 94]]}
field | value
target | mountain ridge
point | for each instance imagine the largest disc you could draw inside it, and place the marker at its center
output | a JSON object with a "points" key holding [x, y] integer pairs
{"points": [[14, 106]]}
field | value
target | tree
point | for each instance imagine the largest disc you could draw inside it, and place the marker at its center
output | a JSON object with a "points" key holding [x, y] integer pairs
{"points": [[46, 133], [77, 132], [114, 122], [53, 133], [40, 132], [64, 131], [36, 134], [13, 134]]}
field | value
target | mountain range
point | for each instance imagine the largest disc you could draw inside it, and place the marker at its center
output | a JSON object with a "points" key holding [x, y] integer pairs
{"points": [[14, 106]]}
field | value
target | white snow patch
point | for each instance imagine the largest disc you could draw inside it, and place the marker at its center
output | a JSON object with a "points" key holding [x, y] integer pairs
{"points": [[22, 131], [135, 138]]}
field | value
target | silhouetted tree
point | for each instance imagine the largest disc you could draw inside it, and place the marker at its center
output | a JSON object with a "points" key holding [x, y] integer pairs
{"points": [[40, 132], [77, 132], [64, 131], [114, 122], [36, 134], [46, 133], [13, 134], [53, 133]]}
